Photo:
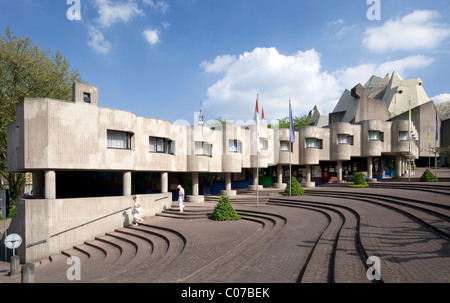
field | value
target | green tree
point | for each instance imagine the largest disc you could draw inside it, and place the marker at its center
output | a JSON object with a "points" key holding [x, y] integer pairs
{"points": [[224, 211], [26, 71], [300, 121], [297, 189]]}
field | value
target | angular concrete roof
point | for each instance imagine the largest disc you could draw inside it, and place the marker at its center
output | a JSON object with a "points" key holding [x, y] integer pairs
{"points": [[398, 94], [319, 118], [443, 110]]}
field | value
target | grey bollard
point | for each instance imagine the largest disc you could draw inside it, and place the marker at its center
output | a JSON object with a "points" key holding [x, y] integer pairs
{"points": [[28, 273], [14, 266]]}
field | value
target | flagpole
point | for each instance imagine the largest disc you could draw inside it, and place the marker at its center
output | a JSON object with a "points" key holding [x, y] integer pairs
{"points": [[429, 148], [409, 139], [435, 146], [290, 151], [257, 156]]}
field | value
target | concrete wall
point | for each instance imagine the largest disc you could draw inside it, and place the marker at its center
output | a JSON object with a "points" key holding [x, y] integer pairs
{"points": [[40, 220]]}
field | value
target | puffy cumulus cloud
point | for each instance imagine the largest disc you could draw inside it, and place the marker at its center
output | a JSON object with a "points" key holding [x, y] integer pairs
{"points": [[415, 31], [441, 98], [112, 13], [152, 36], [278, 78], [97, 41]]}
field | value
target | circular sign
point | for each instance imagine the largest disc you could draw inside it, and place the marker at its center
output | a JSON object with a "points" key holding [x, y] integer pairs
{"points": [[13, 241]]}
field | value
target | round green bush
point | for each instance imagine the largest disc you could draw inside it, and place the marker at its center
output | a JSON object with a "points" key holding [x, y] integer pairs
{"points": [[428, 177], [224, 211], [297, 189], [359, 181]]}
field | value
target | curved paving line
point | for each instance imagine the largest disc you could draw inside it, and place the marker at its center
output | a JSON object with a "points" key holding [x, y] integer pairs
{"points": [[427, 225], [357, 240], [331, 263], [249, 244]]}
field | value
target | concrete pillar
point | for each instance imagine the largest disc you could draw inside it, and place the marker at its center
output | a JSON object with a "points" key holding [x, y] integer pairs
{"points": [[370, 170], [195, 192], [164, 182], [228, 181], [255, 180], [38, 184], [279, 173], [399, 166], [14, 265], [308, 182], [50, 184], [127, 183], [195, 184], [339, 171], [27, 273], [228, 190], [279, 183]]}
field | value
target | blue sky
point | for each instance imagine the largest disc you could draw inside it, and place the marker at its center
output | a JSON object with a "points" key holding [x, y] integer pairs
{"points": [[162, 58]]}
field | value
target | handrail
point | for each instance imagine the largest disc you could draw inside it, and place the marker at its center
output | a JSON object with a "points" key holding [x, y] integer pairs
{"points": [[78, 226], [89, 222]]}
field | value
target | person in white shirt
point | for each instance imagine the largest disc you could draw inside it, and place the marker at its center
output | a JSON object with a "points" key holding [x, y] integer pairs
{"points": [[137, 208], [180, 198]]}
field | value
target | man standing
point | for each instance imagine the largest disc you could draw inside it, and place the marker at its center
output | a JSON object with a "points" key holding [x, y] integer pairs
{"points": [[180, 198]]}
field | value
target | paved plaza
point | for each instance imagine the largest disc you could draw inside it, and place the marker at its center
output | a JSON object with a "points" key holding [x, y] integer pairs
{"points": [[325, 236]]}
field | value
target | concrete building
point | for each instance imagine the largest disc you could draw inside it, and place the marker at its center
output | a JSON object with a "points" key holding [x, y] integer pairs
{"points": [[87, 161]]}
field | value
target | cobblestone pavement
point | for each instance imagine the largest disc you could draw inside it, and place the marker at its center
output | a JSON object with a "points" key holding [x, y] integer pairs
{"points": [[324, 236]]}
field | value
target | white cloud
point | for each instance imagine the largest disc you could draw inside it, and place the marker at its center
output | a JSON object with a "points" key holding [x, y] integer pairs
{"points": [[441, 98], [161, 6], [278, 78], [112, 13], [97, 41], [152, 36], [219, 64], [415, 31]]}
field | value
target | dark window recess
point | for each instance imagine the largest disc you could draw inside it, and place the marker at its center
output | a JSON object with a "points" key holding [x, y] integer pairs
{"points": [[87, 97]]}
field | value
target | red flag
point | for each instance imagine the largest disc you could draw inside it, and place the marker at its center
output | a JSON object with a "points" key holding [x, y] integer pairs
{"points": [[263, 113]]}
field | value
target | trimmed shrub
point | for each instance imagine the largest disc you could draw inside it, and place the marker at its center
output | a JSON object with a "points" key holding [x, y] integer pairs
{"points": [[224, 211], [428, 177], [359, 181], [297, 189]]}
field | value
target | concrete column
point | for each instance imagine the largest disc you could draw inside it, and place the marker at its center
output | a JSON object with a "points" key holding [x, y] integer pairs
{"points": [[399, 166], [308, 182], [195, 192], [255, 176], [279, 173], [228, 190], [27, 273], [164, 182], [38, 184], [370, 169], [279, 183], [228, 181], [50, 184], [255, 180], [339, 171], [127, 183], [195, 184]]}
